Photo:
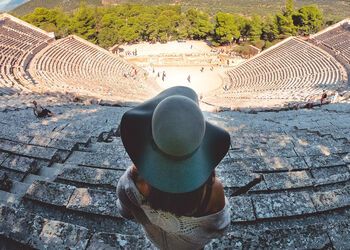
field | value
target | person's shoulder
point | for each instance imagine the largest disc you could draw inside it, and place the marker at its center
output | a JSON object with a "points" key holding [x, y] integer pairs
{"points": [[217, 198]]}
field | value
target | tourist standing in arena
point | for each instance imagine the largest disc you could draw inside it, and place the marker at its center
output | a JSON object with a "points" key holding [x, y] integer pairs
{"points": [[171, 189]]}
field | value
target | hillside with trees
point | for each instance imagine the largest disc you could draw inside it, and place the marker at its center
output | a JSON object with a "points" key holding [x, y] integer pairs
{"points": [[332, 9], [110, 25]]}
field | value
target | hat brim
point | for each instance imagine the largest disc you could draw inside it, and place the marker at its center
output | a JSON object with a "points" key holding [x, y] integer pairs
{"points": [[163, 172]]}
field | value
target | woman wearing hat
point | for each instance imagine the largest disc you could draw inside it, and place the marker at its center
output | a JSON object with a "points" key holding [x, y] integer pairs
{"points": [[172, 190]]}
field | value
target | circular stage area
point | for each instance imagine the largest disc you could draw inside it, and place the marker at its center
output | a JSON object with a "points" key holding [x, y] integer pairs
{"points": [[200, 79]]}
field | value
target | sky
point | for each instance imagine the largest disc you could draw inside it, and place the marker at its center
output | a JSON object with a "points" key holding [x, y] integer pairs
{"points": [[6, 5]]}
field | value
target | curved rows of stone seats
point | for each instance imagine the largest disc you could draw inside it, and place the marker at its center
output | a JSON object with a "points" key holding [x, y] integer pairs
{"points": [[287, 177], [337, 38], [75, 65], [291, 70], [19, 42]]}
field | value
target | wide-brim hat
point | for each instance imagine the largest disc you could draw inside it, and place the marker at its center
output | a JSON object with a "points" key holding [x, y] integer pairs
{"points": [[175, 114]]}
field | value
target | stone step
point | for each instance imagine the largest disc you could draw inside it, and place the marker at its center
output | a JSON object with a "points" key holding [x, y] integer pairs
{"points": [[9, 199], [19, 188], [109, 160], [284, 204], [90, 176], [303, 237], [94, 202], [41, 233], [50, 172], [53, 143], [22, 164], [5, 181], [119, 241], [333, 199], [27, 150], [29, 179], [50, 193]]}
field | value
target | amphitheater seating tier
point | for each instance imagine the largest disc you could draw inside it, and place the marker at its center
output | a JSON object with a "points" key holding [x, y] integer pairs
{"points": [[75, 65], [286, 175], [291, 70], [337, 39], [18, 44]]}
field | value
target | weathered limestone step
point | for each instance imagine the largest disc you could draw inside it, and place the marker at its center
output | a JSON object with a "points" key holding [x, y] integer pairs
{"points": [[3, 156], [13, 175], [22, 164], [340, 235], [9, 199], [49, 192], [16, 224], [90, 176], [5, 181], [241, 209], [112, 160], [27, 150], [53, 143], [9, 134], [114, 146], [288, 180], [331, 175], [243, 152], [52, 234], [66, 136], [9, 146], [19, 188], [94, 201], [29, 179], [118, 241], [270, 164], [307, 237], [282, 204], [233, 176], [51, 172], [320, 146], [325, 161], [281, 148], [41, 233], [332, 199]]}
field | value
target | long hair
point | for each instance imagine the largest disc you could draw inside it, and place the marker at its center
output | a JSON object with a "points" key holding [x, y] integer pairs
{"points": [[181, 204]]}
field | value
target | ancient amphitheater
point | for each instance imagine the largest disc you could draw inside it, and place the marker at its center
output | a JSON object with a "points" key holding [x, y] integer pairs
{"points": [[287, 173]]}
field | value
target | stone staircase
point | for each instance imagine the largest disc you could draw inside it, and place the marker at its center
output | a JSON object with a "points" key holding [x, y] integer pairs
{"points": [[287, 177]]}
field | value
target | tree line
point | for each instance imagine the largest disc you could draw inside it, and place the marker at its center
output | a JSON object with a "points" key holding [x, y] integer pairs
{"points": [[125, 23]]}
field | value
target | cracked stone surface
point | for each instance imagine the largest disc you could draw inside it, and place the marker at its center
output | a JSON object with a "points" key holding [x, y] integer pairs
{"points": [[21, 164], [118, 241], [241, 209], [56, 235], [287, 180], [332, 199], [286, 177], [51, 193], [94, 201], [284, 204], [91, 176]]}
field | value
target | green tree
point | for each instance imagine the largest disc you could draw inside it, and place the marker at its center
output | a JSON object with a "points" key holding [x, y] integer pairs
{"points": [[289, 8], [226, 28], [308, 19], [269, 29], [199, 25], [83, 23], [285, 25], [252, 28]]}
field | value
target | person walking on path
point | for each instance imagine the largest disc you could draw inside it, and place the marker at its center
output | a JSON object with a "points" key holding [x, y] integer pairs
{"points": [[171, 189]]}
